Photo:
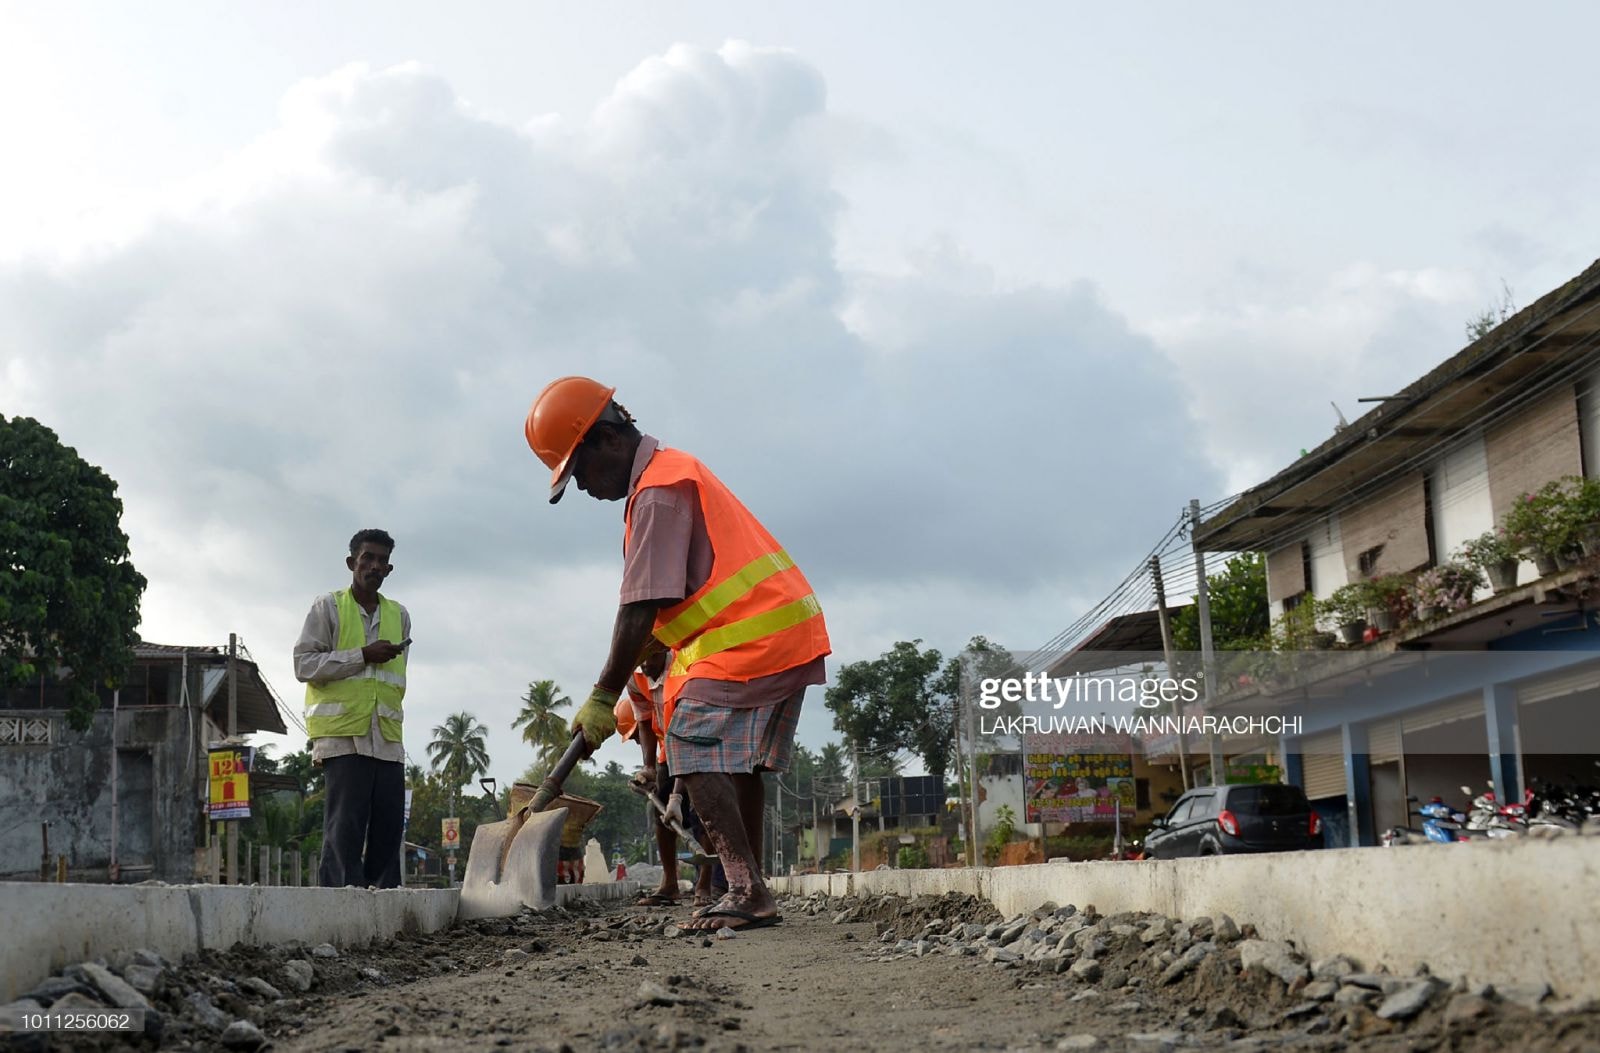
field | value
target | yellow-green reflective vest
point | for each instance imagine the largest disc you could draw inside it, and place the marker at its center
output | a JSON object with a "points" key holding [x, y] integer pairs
{"points": [[335, 708]]}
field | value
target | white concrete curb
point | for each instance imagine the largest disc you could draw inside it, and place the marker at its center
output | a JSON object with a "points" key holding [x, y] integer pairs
{"points": [[47, 926], [1504, 912]]}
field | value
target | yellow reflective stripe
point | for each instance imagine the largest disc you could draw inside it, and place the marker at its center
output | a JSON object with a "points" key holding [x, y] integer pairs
{"points": [[745, 631], [694, 617]]}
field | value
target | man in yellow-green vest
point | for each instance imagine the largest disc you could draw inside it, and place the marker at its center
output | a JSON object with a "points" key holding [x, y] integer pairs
{"points": [[351, 656]]}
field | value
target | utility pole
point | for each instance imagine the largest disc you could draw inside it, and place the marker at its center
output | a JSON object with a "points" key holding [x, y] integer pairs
{"points": [[777, 854], [855, 813], [1208, 654], [233, 734], [955, 730], [816, 831], [116, 701], [972, 771], [1166, 650]]}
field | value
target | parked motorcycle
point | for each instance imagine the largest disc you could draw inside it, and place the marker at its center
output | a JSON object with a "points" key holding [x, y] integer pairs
{"points": [[1489, 818], [1441, 825]]}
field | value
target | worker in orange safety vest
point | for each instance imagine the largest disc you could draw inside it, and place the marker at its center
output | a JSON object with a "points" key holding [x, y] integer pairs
{"points": [[706, 579]]}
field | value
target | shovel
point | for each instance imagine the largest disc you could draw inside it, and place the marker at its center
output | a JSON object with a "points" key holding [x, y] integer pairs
{"points": [[698, 856], [512, 863]]}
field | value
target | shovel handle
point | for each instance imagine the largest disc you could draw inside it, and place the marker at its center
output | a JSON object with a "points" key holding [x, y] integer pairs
{"points": [[550, 789], [672, 824]]}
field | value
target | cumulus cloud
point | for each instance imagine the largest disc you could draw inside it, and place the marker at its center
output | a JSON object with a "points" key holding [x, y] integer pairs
{"points": [[342, 327], [1365, 331]]}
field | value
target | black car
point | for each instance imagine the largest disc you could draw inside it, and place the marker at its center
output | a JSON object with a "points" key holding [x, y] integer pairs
{"points": [[1222, 820]]}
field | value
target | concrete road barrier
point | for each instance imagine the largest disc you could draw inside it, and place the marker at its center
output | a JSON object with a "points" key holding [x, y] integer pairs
{"points": [[51, 926], [48, 926], [1501, 912]]}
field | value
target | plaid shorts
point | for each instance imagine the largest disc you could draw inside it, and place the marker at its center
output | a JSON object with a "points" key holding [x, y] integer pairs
{"points": [[707, 738]]}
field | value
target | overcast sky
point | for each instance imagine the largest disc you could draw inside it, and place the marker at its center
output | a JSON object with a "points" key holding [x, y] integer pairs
{"points": [[964, 303]]}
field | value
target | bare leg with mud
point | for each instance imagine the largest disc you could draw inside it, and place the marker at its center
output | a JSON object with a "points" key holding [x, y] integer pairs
{"points": [[666, 893], [752, 792], [716, 800]]}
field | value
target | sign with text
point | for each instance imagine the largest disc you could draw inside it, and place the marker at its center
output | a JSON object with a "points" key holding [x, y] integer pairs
{"points": [[451, 834], [230, 782], [1077, 779]]}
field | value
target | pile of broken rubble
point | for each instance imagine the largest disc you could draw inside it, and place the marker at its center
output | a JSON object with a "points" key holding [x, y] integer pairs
{"points": [[238, 998], [1212, 973]]}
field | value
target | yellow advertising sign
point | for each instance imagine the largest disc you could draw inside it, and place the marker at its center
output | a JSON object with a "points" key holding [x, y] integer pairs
{"points": [[230, 782], [452, 834]]}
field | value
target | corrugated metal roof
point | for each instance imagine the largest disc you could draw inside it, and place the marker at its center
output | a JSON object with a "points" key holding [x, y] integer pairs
{"points": [[257, 705], [1560, 329]]}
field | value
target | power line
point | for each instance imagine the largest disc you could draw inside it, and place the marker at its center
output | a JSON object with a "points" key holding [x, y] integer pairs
{"points": [[1136, 593], [284, 711], [1540, 381]]}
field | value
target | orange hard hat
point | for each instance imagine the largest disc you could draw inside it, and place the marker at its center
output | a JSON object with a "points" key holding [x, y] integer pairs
{"points": [[627, 723], [559, 419]]}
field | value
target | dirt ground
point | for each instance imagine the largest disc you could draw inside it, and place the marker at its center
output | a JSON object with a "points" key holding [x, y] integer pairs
{"points": [[614, 979]]}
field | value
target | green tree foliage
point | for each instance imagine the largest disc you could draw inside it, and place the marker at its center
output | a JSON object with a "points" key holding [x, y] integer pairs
{"points": [[1240, 617], [435, 798], [1482, 324], [904, 699], [69, 597], [984, 660], [832, 764], [880, 766], [304, 769], [620, 825], [458, 752], [543, 726], [283, 818]]}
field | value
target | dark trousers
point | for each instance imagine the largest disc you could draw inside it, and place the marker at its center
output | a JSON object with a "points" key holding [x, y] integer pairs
{"points": [[363, 821]]}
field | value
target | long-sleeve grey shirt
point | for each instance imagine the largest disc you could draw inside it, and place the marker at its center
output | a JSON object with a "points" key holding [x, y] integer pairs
{"points": [[317, 657]]}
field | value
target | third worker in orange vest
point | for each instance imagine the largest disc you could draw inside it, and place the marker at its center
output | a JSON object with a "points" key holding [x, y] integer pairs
{"points": [[703, 576]]}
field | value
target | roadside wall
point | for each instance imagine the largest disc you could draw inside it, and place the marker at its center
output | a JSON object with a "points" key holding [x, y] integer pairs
{"points": [[64, 778], [1507, 912]]}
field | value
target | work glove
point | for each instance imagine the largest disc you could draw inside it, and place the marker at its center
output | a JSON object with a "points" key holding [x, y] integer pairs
{"points": [[596, 717], [674, 809]]}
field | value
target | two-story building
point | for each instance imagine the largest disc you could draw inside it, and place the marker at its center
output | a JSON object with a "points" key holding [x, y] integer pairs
{"points": [[1506, 691], [125, 799]]}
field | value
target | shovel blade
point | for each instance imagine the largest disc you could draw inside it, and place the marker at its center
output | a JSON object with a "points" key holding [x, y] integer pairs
{"points": [[511, 865]]}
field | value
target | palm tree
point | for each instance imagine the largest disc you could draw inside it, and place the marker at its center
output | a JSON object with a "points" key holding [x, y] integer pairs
{"points": [[831, 763], [307, 772], [458, 751], [542, 727]]}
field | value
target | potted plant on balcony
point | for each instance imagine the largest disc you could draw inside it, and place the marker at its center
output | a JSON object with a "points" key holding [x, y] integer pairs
{"points": [[1493, 553], [1297, 630], [1348, 605], [1445, 588], [1583, 513], [1389, 601], [1541, 524]]}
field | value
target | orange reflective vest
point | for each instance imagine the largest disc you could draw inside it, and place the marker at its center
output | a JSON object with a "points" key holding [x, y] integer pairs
{"points": [[639, 688], [756, 614]]}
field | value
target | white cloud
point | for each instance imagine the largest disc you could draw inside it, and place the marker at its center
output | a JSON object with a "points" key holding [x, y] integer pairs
{"points": [[1367, 331], [341, 326]]}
